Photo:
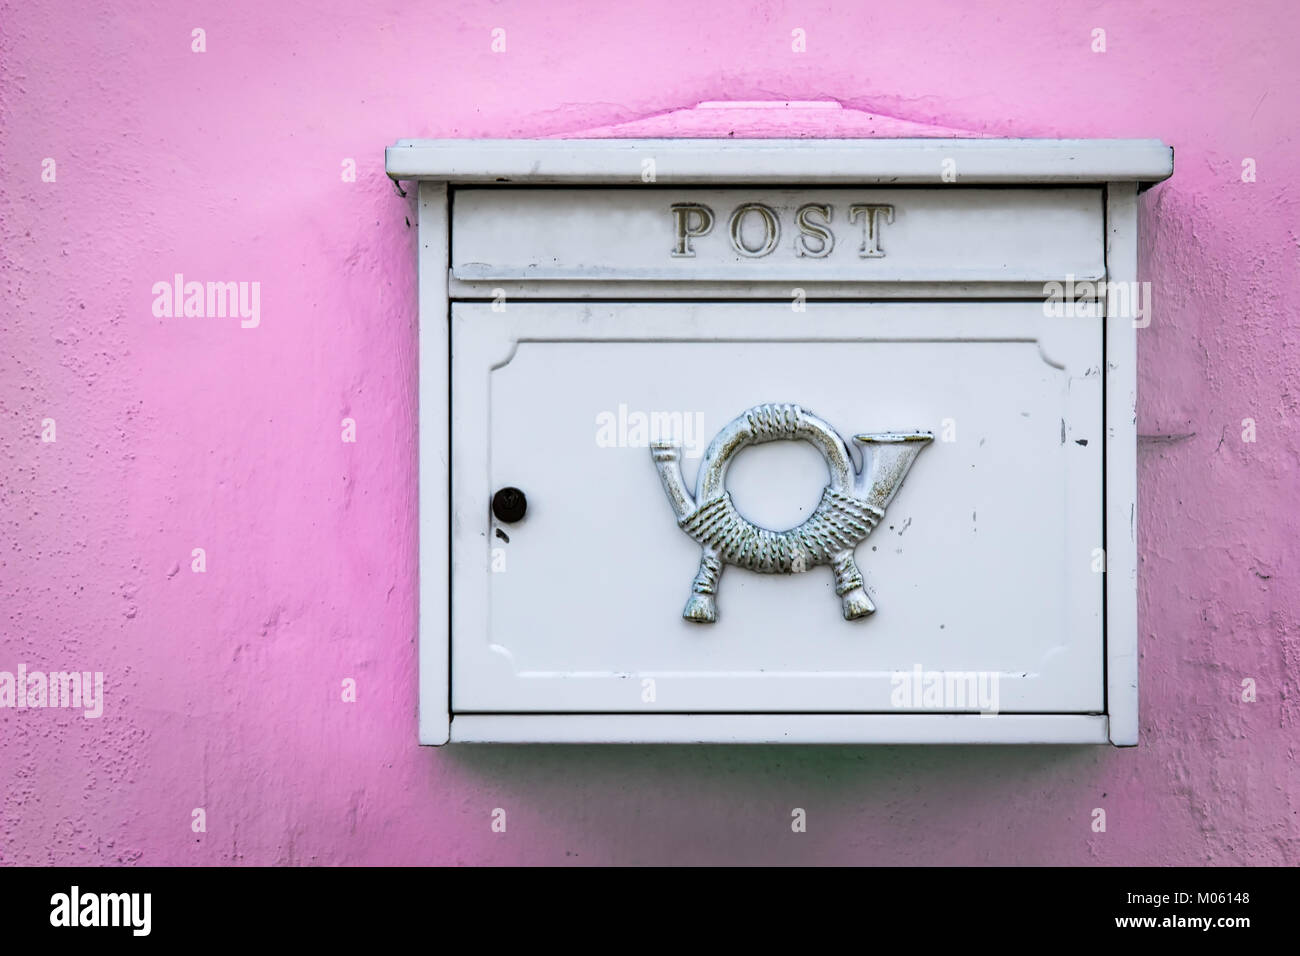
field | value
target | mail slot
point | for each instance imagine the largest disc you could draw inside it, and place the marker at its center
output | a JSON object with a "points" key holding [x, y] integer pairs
{"points": [[731, 456]]}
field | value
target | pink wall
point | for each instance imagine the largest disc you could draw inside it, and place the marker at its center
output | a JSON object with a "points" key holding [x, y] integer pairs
{"points": [[223, 688]]}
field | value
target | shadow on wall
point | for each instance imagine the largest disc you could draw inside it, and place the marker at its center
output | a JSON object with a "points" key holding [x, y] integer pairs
{"points": [[760, 804], [867, 769]]}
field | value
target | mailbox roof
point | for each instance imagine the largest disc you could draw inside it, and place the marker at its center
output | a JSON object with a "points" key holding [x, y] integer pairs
{"points": [[859, 162]]}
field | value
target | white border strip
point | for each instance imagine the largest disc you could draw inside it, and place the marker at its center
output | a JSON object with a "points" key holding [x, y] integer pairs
{"points": [[435, 458], [781, 161], [1121, 475], [780, 728]]}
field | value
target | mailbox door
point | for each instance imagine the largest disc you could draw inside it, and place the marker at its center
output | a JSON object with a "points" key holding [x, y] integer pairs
{"points": [[986, 561]]}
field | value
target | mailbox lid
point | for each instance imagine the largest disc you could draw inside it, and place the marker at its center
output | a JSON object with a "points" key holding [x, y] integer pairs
{"points": [[845, 235], [813, 161], [983, 564]]}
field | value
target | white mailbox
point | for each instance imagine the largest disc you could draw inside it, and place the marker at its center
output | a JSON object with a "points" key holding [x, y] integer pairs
{"points": [[807, 441]]}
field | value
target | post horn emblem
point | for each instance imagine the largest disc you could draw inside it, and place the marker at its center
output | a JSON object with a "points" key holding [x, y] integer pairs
{"points": [[851, 504]]}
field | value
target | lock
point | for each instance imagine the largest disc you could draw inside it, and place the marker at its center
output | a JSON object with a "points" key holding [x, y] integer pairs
{"points": [[509, 505]]}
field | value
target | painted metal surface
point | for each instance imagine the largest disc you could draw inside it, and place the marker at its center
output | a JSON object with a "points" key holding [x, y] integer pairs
{"points": [[528, 239], [984, 562], [1121, 551], [783, 729], [800, 236], [434, 458], [777, 161]]}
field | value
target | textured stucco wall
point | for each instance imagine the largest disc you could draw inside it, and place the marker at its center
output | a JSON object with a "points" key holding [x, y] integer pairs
{"points": [[223, 688]]}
